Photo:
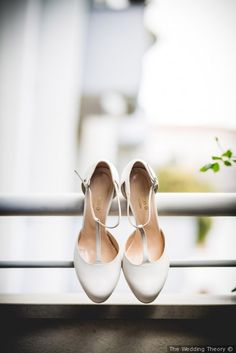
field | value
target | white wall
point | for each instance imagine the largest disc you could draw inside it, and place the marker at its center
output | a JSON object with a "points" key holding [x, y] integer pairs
{"points": [[117, 41], [189, 75], [41, 59]]}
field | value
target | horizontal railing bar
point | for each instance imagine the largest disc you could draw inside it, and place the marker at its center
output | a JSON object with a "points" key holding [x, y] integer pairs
{"points": [[203, 263], [70, 264], [169, 204]]}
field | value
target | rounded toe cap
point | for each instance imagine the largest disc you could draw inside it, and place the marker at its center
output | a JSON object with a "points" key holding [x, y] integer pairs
{"points": [[147, 280], [99, 279], [98, 288], [146, 293]]}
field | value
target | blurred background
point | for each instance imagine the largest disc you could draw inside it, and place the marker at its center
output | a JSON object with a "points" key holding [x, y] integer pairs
{"points": [[83, 80]]}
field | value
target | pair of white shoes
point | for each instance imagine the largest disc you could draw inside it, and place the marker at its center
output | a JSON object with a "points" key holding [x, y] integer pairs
{"points": [[97, 256]]}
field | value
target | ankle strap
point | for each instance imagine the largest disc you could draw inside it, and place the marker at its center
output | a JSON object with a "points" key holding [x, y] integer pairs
{"points": [[125, 188], [86, 185], [139, 226]]}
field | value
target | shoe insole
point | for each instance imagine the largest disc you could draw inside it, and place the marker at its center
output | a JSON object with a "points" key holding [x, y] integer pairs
{"points": [[102, 193], [139, 190]]}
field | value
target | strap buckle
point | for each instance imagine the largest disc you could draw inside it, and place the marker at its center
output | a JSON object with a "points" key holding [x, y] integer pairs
{"points": [[84, 182], [153, 178]]}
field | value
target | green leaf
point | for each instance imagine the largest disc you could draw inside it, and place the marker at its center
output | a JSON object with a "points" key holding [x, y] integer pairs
{"points": [[215, 167], [227, 163], [228, 154], [215, 158], [234, 160], [206, 167]]}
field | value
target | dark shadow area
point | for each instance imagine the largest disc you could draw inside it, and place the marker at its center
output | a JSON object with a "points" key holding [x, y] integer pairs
{"points": [[63, 335]]}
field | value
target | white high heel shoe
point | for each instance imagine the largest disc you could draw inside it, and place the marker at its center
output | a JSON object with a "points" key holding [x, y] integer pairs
{"points": [[145, 262], [97, 258]]}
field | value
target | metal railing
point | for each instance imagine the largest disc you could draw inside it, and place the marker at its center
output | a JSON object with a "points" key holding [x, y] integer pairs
{"points": [[169, 204]]}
